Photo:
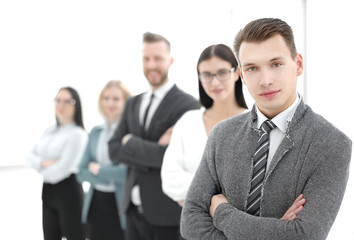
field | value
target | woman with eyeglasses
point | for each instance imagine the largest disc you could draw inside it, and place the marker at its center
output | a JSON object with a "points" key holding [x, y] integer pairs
{"points": [[56, 157], [220, 93], [101, 205]]}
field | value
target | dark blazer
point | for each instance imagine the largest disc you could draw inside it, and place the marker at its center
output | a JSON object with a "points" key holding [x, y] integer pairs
{"points": [[144, 155]]}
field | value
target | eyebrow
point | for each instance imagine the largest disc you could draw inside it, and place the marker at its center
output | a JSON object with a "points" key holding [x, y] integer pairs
{"points": [[271, 60], [277, 58]]}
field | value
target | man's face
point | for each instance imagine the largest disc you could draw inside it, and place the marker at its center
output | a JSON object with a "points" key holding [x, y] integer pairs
{"points": [[270, 74], [156, 62]]}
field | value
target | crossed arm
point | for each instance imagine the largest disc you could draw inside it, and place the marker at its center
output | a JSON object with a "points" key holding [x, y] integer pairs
{"points": [[125, 147], [207, 214], [290, 215]]}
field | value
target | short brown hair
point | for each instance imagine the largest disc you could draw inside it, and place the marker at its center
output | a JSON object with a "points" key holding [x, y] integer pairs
{"points": [[149, 37], [262, 29], [113, 83]]}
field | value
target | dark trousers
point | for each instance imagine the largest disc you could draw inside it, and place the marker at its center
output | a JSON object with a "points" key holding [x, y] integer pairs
{"points": [[62, 204], [103, 221], [139, 229]]}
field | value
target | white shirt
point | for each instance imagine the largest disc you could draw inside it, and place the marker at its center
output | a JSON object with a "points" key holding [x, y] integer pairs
{"points": [[281, 121], [159, 94], [183, 154], [66, 144], [102, 154]]}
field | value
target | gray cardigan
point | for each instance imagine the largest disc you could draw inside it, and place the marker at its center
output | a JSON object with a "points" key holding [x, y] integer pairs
{"points": [[312, 159]]}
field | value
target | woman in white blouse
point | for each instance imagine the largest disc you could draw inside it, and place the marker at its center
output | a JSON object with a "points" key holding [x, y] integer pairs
{"points": [[101, 205], [56, 157], [220, 92]]}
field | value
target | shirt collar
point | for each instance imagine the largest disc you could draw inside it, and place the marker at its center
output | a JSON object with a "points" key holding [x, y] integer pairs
{"points": [[282, 119], [109, 128], [161, 91], [67, 126]]}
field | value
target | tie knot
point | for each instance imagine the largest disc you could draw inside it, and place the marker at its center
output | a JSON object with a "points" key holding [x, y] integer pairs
{"points": [[267, 126]]}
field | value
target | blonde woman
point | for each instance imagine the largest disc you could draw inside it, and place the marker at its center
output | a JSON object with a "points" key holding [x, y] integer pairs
{"points": [[100, 209]]}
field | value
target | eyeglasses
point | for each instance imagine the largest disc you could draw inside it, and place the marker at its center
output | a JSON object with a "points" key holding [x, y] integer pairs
{"points": [[221, 75], [66, 102]]}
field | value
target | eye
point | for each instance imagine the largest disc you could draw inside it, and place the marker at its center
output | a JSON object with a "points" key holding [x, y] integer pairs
{"points": [[251, 69], [206, 74], [116, 99], [158, 59], [276, 65], [222, 72]]}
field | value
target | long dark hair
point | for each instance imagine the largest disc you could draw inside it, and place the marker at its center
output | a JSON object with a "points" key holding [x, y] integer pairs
{"points": [[224, 52], [78, 112]]}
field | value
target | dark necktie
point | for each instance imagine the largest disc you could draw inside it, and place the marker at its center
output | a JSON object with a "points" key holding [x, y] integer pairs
{"points": [[147, 112], [259, 168]]}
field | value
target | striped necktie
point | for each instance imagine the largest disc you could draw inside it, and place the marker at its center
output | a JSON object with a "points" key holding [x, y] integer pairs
{"points": [[259, 169]]}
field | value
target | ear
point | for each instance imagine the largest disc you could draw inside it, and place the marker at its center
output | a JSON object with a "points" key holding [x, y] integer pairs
{"points": [[237, 74], [241, 75], [299, 64], [171, 60]]}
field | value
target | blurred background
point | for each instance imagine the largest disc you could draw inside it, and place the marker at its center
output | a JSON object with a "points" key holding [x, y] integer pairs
{"points": [[47, 44]]}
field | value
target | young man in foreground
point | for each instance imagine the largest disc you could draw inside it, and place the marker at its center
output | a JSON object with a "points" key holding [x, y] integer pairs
{"points": [[257, 164]]}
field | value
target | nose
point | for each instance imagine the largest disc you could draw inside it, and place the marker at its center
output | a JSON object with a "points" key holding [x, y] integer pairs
{"points": [[214, 79], [266, 78], [150, 64]]}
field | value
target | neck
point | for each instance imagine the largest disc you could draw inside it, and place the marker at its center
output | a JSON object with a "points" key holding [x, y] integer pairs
{"points": [[155, 87], [63, 122], [112, 120], [224, 109]]}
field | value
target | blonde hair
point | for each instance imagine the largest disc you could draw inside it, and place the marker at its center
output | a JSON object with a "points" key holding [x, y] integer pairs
{"points": [[113, 83]]}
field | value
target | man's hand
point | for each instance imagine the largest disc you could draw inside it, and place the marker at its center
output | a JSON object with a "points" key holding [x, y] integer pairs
{"points": [[126, 138], [94, 167], [166, 137], [297, 206], [216, 200]]}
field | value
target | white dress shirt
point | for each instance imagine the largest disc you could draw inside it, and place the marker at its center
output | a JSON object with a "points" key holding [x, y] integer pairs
{"points": [[281, 121], [66, 144], [159, 94], [183, 154]]}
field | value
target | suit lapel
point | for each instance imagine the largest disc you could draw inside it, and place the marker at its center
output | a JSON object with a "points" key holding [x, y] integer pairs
{"points": [[285, 146], [287, 143], [95, 143], [163, 106], [136, 117]]}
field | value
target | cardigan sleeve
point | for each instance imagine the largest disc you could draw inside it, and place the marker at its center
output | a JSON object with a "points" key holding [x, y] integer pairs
{"points": [[196, 222], [115, 172]]}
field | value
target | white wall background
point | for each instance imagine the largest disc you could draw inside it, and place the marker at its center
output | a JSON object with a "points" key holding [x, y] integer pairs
{"points": [[47, 44]]}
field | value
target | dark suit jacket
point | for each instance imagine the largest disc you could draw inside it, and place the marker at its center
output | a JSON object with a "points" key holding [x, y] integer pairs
{"points": [[144, 155]]}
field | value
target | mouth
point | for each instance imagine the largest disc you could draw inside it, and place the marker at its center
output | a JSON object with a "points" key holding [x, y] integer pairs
{"points": [[217, 91], [153, 74], [270, 94]]}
